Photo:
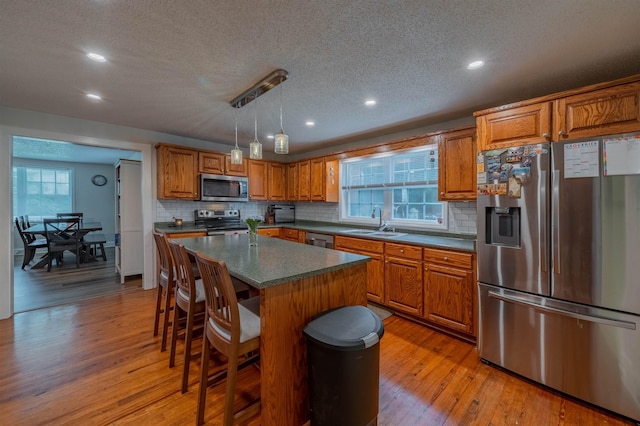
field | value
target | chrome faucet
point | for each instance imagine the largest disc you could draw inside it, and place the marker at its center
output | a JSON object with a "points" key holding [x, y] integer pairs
{"points": [[382, 226]]}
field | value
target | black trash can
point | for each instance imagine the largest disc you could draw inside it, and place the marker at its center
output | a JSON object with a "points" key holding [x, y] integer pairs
{"points": [[343, 355]]}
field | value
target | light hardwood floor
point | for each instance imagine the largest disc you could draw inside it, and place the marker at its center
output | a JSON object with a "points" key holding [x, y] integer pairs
{"points": [[37, 288], [96, 362]]}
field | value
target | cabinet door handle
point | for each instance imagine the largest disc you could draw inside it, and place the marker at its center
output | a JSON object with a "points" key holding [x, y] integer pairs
{"points": [[546, 136], [401, 250], [562, 133], [446, 258]]}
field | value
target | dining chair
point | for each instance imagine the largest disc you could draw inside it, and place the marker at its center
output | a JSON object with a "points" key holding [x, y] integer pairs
{"points": [[70, 215], [233, 329], [24, 226], [30, 244], [188, 308], [165, 289], [62, 235]]}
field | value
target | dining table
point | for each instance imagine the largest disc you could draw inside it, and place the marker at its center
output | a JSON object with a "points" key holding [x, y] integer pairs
{"points": [[85, 227], [296, 283]]}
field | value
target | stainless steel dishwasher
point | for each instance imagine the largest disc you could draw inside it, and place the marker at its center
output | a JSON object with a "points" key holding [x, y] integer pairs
{"points": [[320, 240]]}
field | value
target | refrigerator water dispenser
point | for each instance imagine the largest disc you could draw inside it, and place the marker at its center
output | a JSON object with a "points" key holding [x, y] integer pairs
{"points": [[503, 226]]}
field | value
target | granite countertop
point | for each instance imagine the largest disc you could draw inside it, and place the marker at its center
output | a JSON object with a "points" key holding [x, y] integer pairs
{"points": [[273, 261], [461, 242]]}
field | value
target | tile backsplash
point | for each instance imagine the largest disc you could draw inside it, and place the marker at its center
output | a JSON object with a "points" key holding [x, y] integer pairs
{"points": [[462, 215]]}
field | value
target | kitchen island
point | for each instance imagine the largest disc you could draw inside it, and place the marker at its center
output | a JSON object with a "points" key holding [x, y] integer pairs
{"points": [[296, 282]]}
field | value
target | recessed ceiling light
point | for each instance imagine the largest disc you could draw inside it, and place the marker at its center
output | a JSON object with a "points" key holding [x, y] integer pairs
{"points": [[475, 65], [370, 102], [310, 123], [94, 96], [270, 136], [96, 57]]}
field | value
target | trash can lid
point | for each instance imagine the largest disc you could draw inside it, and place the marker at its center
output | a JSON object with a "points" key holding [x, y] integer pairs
{"points": [[346, 329]]}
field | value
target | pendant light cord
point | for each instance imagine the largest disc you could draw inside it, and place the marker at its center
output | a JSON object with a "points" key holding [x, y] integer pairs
{"points": [[236, 116], [281, 131]]}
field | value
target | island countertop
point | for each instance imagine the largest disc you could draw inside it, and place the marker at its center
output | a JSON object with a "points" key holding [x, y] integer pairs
{"points": [[273, 261]]}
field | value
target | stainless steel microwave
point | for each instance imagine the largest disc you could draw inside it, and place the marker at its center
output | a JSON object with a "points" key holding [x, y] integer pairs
{"points": [[223, 188]]}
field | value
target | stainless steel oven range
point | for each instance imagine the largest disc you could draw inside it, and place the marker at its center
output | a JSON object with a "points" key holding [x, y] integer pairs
{"points": [[220, 222]]}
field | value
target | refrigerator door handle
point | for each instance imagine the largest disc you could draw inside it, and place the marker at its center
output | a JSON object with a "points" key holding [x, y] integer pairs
{"points": [[590, 318], [543, 221], [555, 203]]}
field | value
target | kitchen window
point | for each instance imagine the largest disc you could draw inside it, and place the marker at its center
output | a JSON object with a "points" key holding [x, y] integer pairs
{"points": [[41, 192], [403, 184]]}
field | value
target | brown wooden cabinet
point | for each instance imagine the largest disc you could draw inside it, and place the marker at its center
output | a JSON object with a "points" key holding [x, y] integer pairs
{"points": [[304, 180], [596, 110], [292, 182], [177, 173], [235, 169], [276, 179], [457, 166], [449, 289], [403, 278], [332, 181], [317, 179], [211, 162], [258, 180], [599, 112], [375, 267], [524, 125], [270, 232], [290, 235]]}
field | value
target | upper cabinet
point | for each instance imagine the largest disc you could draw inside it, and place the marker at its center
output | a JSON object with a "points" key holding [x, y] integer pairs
{"points": [[277, 185], [211, 162], [526, 125], [457, 165], [292, 182], [317, 179], [600, 112], [258, 183], [304, 180], [177, 173], [235, 169], [597, 110]]}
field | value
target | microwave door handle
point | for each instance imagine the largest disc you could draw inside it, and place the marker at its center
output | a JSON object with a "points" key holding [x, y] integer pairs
{"points": [[555, 203]]}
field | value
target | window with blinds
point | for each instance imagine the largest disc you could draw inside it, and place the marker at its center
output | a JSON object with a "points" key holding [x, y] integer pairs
{"points": [[403, 184]]}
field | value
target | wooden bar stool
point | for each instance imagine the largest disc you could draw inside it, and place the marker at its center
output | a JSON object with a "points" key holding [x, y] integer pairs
{"points": [[231, 327], [165, 290], [189, 306]]}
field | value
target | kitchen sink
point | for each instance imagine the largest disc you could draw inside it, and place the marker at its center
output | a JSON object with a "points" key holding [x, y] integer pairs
{"points": [[361, 231], [374, 233]]}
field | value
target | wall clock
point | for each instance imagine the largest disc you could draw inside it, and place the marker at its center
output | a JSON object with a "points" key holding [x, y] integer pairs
{"points": [[99, 180]]}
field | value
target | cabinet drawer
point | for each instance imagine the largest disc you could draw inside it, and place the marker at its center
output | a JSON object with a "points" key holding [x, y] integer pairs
{"points": [[359, 244], [269, 232], [401, 250], [451, 258], [289, 234]]}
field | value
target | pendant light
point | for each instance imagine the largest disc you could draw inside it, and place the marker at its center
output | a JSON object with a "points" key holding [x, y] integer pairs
{"points": [[236, 154], [255, 148], [281, 140]]}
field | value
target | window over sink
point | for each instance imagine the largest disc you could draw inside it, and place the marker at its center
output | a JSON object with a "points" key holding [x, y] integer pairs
{"points": [[403, 184]]}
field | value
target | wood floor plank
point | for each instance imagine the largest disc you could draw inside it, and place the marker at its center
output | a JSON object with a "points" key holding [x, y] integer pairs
{"points": [[96, 362]]}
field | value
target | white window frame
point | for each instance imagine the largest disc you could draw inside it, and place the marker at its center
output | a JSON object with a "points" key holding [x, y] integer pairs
{"points": [[20, 191], [387, 205]]}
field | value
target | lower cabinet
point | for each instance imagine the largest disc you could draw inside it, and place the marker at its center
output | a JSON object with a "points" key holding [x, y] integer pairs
{"points": [[433, 285], [375, 267], [290, 234], [270, 232], [403, 278], [449, 284]]}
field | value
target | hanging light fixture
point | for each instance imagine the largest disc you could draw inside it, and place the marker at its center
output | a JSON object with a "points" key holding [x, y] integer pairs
{"points": [[281, 140], [236, 154], [255, 147]]}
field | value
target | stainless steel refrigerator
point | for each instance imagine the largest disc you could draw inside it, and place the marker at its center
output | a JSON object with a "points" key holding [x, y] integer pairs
{"points": [[559, 266]]}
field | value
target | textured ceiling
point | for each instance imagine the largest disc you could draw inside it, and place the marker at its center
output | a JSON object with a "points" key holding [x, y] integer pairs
{"points": [[173, 66]]}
